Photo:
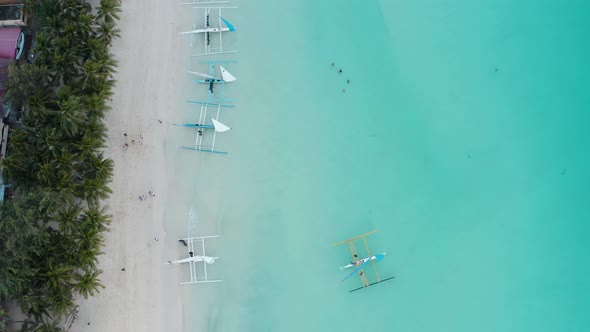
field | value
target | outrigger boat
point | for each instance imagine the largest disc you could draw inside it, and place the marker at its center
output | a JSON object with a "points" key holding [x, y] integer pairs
{"points": [[193, 259], [222, 26], [360, 264], [216, 126], [201, 2], [211, 79]]}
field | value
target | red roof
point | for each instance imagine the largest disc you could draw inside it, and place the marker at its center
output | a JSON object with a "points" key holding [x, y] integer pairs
{"points": [[8, 42]]}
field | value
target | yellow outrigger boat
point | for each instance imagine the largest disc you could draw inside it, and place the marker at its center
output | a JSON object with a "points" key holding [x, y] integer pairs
{"points": [[360, 264]]}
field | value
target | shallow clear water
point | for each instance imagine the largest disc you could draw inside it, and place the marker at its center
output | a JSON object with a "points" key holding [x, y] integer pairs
{"points": [[462, 137]]}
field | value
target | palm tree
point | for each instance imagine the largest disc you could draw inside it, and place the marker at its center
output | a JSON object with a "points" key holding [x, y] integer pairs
{"points": [[58, 276], [90, 236], [67, 217], [97, 131], [87, 147], [52, 139], [46, 174], [34, 304], [69, 113], [99, 168], [15, 165], [97, 215], [60, 302], [62, 63], [50, 201], [107, 31], [87, 258], [95, 49], [109, 10], [94, 190], [95, 106], [41, 326], [23, 80], [90, 70], [48, 327], [88, 283]]}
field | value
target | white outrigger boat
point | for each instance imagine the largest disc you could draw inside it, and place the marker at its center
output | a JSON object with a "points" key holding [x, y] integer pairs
{"points": [[223, 25], [206, 2], [360, 264], [194, 259], [211, 79], [216, 126]]}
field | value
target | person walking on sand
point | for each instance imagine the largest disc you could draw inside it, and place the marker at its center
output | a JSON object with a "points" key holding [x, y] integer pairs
{"points": [[153, 194]]}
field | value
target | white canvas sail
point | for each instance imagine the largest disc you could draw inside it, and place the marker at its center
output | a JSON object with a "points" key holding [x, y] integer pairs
{"points": [[219, 127], [226, 76]]}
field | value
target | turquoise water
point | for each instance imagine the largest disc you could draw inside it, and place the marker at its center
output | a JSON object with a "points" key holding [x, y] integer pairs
{"points": [[462, 138]]}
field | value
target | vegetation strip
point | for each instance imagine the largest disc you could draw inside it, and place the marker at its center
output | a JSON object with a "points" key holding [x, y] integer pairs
{"points": [[51, 232]]}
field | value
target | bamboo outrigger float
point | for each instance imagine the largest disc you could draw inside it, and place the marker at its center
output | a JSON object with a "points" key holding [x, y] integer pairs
{"points": [[360, 264]]}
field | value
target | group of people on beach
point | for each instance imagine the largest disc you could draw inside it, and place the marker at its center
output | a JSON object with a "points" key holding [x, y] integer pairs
{"points": [[151, 193], [126, 145]]}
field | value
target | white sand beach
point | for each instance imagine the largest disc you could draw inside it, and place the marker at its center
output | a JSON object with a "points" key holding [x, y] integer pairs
{"points": [[145, 296]]}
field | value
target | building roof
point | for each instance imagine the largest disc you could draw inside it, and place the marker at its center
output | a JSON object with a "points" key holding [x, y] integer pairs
{"points": [[8, 42]]}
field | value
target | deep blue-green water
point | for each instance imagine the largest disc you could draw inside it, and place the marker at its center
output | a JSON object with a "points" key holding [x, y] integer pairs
{"points": [[462, 137]]}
